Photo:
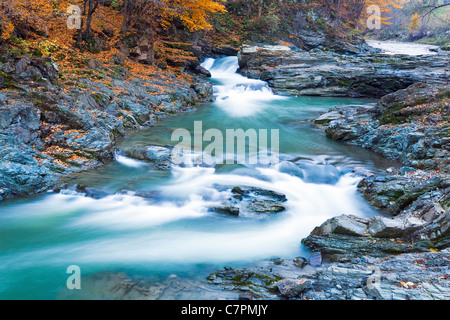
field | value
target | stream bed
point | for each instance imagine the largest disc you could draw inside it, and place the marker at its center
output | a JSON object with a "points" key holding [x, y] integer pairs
{"points": [[174, 232]]}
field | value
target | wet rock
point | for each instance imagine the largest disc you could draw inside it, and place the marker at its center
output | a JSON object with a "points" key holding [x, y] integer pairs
{"points": [[266, 206], [300, 261], [228, 210], [225, 51], [204, 90], [194, 67], [160, 156], [395, 194], [255, 191], [3, 99], [405, 170], [291, 288], [91, 192], [260, 283]]}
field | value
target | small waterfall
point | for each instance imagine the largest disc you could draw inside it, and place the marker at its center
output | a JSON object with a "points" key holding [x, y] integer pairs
{"points": [[237, 95]]}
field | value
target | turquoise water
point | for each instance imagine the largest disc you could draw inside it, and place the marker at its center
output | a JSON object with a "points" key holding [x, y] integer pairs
{"points": [[174, 232]]}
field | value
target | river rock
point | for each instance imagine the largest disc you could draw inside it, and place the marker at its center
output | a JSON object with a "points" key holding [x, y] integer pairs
{"points": [[345, 237], [226, 209], [291, 288], [300, 261], [249, 191], [292, 71], [346, 225], [392, 228], [420, 276], [266, 206]]}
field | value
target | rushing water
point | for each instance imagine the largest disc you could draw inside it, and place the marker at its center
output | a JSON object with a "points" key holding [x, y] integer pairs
{"points": [[174, 232]]}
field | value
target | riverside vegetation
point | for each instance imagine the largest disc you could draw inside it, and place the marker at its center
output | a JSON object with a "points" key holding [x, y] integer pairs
{"points": [[64, 109]]}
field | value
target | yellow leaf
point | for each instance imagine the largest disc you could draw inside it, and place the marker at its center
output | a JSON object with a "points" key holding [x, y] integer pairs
{"points": [[433, 250]]}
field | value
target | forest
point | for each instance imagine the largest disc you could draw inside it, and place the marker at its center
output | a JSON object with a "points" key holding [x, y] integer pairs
{"points": [[100, 25]]}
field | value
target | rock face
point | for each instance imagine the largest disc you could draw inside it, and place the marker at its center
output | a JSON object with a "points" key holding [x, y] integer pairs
{"points": [[410, 126], [410, 276], [326, 73], [49, 129], [345, 237]]}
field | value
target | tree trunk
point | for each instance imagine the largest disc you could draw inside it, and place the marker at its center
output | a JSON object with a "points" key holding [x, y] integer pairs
{"points": [[91, 10], [80, 31], [125, 16]]}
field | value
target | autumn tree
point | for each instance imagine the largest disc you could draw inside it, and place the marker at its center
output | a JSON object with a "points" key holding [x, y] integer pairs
{"points": [[22, 16], [415, 22]]}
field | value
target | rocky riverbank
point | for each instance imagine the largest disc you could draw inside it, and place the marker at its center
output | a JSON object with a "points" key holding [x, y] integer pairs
{"points": [[53, 124], [410, 125], [292, 71], [404, 253], [411, 276]]}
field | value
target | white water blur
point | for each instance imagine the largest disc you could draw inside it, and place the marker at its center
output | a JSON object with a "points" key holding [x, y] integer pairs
{"points": [[128, 162], [177, 230], [237, 95], [408, 48]]}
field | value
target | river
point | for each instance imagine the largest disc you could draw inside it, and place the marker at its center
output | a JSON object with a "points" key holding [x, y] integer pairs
{"points": [[175, 232]]}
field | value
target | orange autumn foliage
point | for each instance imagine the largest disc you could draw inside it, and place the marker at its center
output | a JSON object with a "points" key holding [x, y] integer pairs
{"points": [[385, 6], [34, 13], [192, 13]]}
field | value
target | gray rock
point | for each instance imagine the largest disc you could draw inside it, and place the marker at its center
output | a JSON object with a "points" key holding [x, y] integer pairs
{"points": [[228, 210], [266, 206], [3, 99], [346, 225], [22, 65], [291, 288], [411, 276], [394, 227], [300, 261], [329, 73]]}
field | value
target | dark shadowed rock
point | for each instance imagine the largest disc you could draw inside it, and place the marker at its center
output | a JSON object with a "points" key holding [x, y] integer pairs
{"points": [[228, 210]]}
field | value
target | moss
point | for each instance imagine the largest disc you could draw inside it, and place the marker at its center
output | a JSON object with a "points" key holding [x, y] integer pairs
{"points": [[344, 83]]}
